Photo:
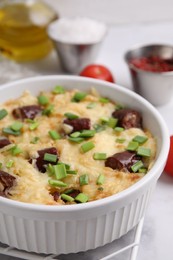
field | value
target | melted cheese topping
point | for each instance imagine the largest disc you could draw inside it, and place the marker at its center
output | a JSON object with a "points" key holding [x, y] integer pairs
{"points": [[32, 186]]}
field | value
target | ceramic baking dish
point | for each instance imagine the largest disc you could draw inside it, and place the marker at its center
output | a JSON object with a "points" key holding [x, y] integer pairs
{"points": [[74, 228]]}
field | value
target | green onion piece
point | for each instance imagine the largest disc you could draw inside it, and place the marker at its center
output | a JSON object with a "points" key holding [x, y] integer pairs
{"points": [[146, 152], [76, 139], [143, 170], [9, 131], [112, 122], [75, 134], [50, 169], [28, 120], [140, 139], [104, 100], [54, 135], [132, 146], [91, 105], [119, 106], [58, 90], [34, 140], [57, 183], [99, 128], [49, 110], [72, 172], [16, 126], [50, 157], [87, 133], [9, 164], [87, 147], [43, 100], [100, 179], [67, 166], [71, 115], [119, 129], [135, 167], [69, 191], [120, 140], [33, 126], [82, 198], [83, 179], [67, 197], [60, 171], [104, 119], [79, 96], [15, 150], [99, 156], [100, 188], [0, 165], [3, 113]]}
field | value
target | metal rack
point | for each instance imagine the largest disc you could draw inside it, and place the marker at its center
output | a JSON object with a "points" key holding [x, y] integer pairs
{"points": [[128, 245]]}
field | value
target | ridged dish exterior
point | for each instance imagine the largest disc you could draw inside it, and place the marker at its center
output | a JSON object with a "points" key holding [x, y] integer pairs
{"points": [[64, 236]]}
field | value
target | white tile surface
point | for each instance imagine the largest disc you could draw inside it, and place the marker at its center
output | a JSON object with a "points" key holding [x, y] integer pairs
{"points": [[157, 236]]}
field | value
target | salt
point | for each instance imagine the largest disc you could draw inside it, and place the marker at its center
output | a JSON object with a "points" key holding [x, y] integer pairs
{"points": [[79, 30]]}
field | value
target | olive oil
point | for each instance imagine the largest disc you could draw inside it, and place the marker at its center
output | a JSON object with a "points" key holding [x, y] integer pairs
{"points": [[23, 24]]}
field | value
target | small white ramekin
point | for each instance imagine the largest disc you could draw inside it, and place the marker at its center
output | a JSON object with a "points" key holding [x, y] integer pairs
{"points": [[74, 228]]}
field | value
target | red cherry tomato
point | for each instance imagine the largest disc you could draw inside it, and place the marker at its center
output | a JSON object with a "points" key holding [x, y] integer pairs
{"points": [[169, 164], [98, 72]]}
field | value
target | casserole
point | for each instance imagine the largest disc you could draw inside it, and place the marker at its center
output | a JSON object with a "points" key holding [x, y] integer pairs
{"points": [[74, 228]]}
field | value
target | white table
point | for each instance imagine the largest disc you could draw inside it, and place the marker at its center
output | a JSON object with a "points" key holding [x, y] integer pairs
{"points": [[157, 235]]}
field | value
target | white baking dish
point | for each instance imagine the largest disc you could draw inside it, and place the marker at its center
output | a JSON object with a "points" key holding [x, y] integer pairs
{"points": [[73, 228]]}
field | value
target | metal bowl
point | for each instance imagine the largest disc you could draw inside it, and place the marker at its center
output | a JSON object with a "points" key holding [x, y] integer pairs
{"points": [[156, 87]]}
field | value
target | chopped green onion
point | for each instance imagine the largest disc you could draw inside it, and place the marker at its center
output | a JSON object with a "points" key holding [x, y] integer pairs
{"points": [[119, 106], [67, 197], [135, 167], [67, 166], [34, 140], [87, 133], [43, 100], [83, 179], [33, 126], [112, 122], [99, 156], [71, 115], [104, 100], [79, 96], [132, 146], [0, 165], [142, 170], [58, 90], [28, 120], [57, 183], [91, 105], [100, 188], [81, 197], [69, 191], [76, 139], [50, 157], [72, 172], [54, 135], [104, 119], [15, 150], [16, 126], [9, 164], [50, 169], [75, 134], [120, 140], [140, 139], [146, 152], [3, 113], [100, 179], [119, 129], [99, 128], [9, 131], [60, 171], [47, 111], [87, 147]]}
